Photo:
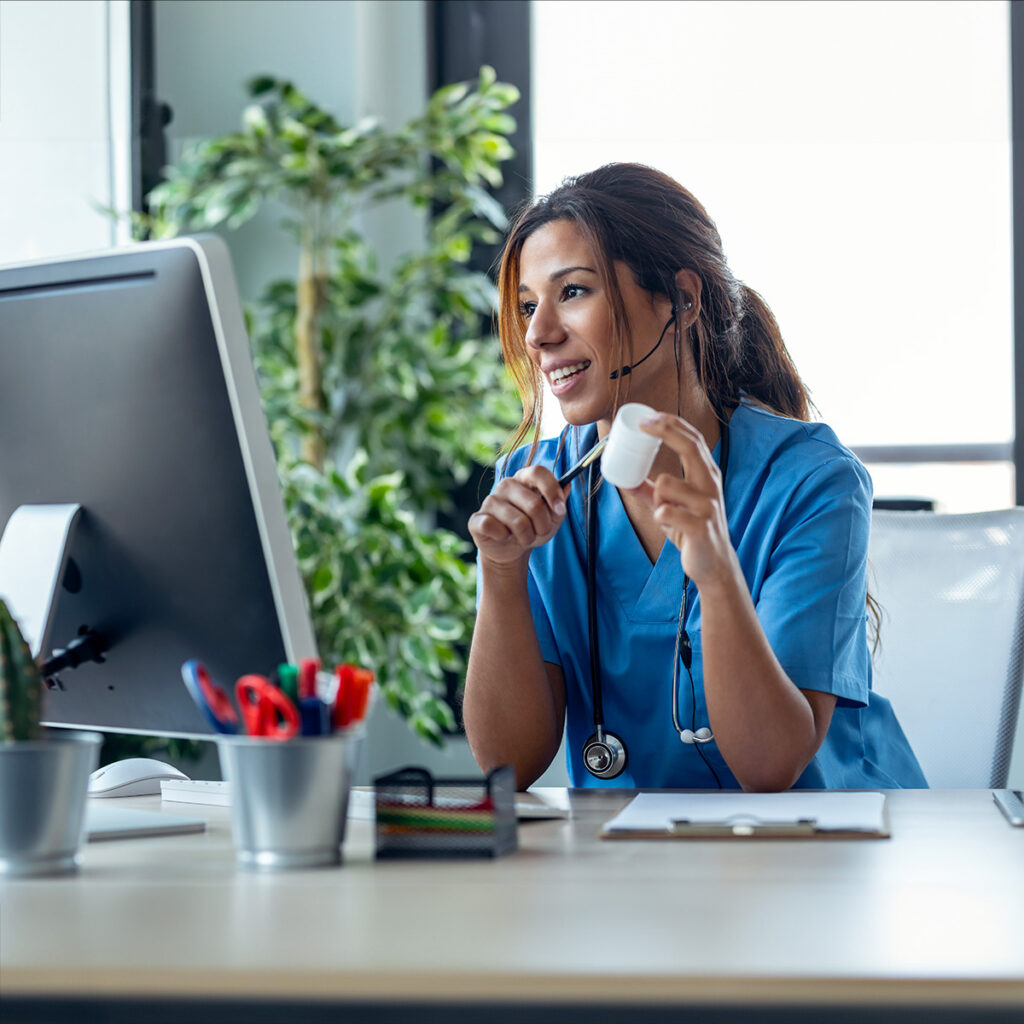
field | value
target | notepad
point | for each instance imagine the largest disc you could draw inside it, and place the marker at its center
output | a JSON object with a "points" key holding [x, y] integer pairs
{"points": [[750, 815], [106, 822]]}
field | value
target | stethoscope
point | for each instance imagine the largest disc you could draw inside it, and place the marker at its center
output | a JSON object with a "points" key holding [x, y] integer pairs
{"points": [[604, 754]]}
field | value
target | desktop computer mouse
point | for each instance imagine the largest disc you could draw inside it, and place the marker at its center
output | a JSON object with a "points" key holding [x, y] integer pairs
{"points": [[134, 776]]}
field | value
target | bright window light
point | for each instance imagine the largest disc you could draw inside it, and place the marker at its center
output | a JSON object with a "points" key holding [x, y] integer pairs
{"points": [[856, 159], [65, 126]]}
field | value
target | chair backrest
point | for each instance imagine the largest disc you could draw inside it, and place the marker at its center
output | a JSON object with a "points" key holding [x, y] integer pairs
{"points": [[951, 589]]}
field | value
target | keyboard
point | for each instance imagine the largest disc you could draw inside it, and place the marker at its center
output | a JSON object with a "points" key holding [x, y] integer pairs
{"points": [[361, 801]]}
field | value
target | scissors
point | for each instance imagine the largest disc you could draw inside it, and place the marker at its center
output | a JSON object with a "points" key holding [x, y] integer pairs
{"points": [[265, 709]]}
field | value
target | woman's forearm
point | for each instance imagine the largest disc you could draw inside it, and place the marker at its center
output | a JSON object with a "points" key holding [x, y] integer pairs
{"points": [[514, 704], [766, 728]]}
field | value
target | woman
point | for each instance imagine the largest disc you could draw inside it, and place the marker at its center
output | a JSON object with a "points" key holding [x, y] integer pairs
{"points": [[735, 654]]}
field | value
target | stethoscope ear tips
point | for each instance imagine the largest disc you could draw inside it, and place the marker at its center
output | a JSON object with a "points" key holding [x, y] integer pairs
{"points": [[702, 735]]}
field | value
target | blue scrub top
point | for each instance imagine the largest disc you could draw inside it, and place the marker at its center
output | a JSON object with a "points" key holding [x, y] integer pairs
{"points": [[799, 510]]}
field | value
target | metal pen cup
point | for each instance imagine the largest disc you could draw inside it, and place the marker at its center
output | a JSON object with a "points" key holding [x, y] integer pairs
{"points": [[43, 789], [289, 800]]}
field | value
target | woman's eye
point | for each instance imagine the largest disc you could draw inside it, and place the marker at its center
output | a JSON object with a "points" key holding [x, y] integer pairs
{"points": [[526, 309], [573, 291]]}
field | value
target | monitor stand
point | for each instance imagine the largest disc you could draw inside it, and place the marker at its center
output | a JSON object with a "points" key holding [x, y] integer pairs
{"points": [[33, 559]]}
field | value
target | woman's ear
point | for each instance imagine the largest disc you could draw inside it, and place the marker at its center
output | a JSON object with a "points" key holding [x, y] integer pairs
{"points": [[688, 285]]}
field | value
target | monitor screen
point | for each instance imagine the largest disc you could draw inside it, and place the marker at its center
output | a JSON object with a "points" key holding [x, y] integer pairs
{"points": [[127, 388]]}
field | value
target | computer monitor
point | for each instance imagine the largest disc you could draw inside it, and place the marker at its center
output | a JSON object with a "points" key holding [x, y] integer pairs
{"points": [[127, 388]]}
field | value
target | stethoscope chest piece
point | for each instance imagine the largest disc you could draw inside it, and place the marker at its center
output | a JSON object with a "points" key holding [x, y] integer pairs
{"points": [[604, 754]]}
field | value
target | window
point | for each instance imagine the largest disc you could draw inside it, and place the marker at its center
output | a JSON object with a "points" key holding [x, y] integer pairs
{"points": [[65, 126], [857, 160]]}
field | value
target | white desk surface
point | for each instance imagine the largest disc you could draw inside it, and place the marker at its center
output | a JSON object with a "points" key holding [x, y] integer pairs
{"points": [[931, 917]]}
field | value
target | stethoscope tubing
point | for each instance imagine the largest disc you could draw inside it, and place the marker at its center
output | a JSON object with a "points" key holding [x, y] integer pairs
{"points": [[590, 462]]}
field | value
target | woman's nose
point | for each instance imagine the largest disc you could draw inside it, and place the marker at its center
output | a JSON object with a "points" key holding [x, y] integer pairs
{"points": [[545, 327]]}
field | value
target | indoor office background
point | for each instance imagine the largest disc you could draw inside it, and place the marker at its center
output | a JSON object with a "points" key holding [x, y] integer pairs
{"points": [[857, 158]]}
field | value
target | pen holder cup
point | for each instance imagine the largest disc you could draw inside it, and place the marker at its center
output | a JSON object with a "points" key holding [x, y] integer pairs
{"points": [[289, 800], [43, 788]]}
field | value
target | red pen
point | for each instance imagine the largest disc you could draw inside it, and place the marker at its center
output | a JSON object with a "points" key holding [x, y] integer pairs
{"points": [[353, 697], [363, 685], [308, 668], [343, 698]]}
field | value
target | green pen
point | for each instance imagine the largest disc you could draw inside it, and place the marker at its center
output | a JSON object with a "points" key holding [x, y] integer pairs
{"points": [[288, 680]]}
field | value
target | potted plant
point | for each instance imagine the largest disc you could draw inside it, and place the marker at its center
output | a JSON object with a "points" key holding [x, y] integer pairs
{"points": [[382, 391], [44, 776]]}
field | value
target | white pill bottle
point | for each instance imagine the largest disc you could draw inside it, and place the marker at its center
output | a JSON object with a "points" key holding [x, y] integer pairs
{"points": [[630, 452]]}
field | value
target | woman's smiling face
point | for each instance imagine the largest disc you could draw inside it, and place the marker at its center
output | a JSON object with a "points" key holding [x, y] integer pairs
{"points": [[569, 326]]}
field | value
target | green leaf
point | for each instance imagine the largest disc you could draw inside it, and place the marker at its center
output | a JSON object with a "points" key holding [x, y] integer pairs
{"points": [[449, 95], [323, 577], [254, 118], [260, 84]]}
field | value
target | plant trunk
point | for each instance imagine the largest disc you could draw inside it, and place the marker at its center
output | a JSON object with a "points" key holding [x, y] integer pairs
{"points": [[310, 297]]}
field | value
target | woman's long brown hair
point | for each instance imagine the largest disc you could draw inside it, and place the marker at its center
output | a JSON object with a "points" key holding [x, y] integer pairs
{"points": [[643, 218]]}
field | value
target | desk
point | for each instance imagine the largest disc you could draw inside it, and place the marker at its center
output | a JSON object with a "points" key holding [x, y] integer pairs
{"points": [[770, 930]]}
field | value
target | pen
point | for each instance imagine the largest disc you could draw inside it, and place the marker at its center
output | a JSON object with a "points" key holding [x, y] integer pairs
{"points": [[354, 686], [308, 668], [288, 680], [343, 697], [314, 715], [587, 459]]}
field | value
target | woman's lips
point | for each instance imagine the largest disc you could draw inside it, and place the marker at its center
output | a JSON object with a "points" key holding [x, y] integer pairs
{"points": [[565, 378]]}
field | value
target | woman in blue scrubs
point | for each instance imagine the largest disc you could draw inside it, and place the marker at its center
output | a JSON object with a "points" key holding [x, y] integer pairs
{"points": [[729, 589]]}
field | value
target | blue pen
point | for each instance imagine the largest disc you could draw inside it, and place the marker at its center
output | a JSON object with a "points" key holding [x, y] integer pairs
{"points": [[315, 716]]}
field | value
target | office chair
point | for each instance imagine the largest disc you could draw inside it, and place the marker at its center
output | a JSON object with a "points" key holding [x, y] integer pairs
{"points": [[951, 590]]}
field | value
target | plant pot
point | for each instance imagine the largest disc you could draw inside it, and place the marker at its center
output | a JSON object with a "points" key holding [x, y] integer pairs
{"points": [[43, 789]]}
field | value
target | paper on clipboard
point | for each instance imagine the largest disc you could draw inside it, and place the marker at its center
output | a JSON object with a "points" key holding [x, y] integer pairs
{"points": [[794, 813]]}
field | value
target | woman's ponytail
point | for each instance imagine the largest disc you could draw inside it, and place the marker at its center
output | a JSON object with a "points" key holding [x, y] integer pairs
{"points": [[766, 371]]}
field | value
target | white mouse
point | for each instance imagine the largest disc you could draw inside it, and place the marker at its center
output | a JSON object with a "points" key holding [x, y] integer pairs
{"points": [[134, 776]]}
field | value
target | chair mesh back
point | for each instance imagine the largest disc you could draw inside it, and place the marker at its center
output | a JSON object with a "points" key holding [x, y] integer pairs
{"points": [[951, 589]]}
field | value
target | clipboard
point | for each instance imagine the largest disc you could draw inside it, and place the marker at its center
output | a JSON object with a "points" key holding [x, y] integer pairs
{"points": [[790, 815]]}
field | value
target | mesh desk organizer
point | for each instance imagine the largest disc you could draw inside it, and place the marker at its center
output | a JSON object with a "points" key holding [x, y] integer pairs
{"points": [[420, 816]]}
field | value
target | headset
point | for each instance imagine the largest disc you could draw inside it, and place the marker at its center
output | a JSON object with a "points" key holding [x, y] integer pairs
{"points": [[604, 753]]}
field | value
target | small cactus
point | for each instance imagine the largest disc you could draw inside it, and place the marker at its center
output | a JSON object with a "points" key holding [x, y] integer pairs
{"points": [[21, 684]]}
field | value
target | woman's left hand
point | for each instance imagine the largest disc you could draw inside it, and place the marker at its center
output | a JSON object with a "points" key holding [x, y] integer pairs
{"points": [[690, 507]]}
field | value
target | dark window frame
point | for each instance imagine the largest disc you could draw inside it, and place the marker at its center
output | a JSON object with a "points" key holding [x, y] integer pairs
{"points": [[462, 36]]}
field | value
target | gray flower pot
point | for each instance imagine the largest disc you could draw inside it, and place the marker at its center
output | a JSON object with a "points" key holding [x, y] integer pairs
{"points": [[43, 789]]}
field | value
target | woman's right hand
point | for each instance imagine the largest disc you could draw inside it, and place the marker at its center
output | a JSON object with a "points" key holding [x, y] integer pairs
{"points": [[521, 513]]}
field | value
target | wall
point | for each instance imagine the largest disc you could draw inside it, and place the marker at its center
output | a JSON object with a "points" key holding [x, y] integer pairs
{"points": [[355, 58]]}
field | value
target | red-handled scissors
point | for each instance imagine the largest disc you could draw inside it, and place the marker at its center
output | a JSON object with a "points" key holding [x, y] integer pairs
{"points": [[210, 698], [266, 710]]}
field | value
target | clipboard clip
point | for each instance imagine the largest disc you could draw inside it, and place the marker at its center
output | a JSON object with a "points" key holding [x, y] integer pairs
{"points": [[742, 825]]}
